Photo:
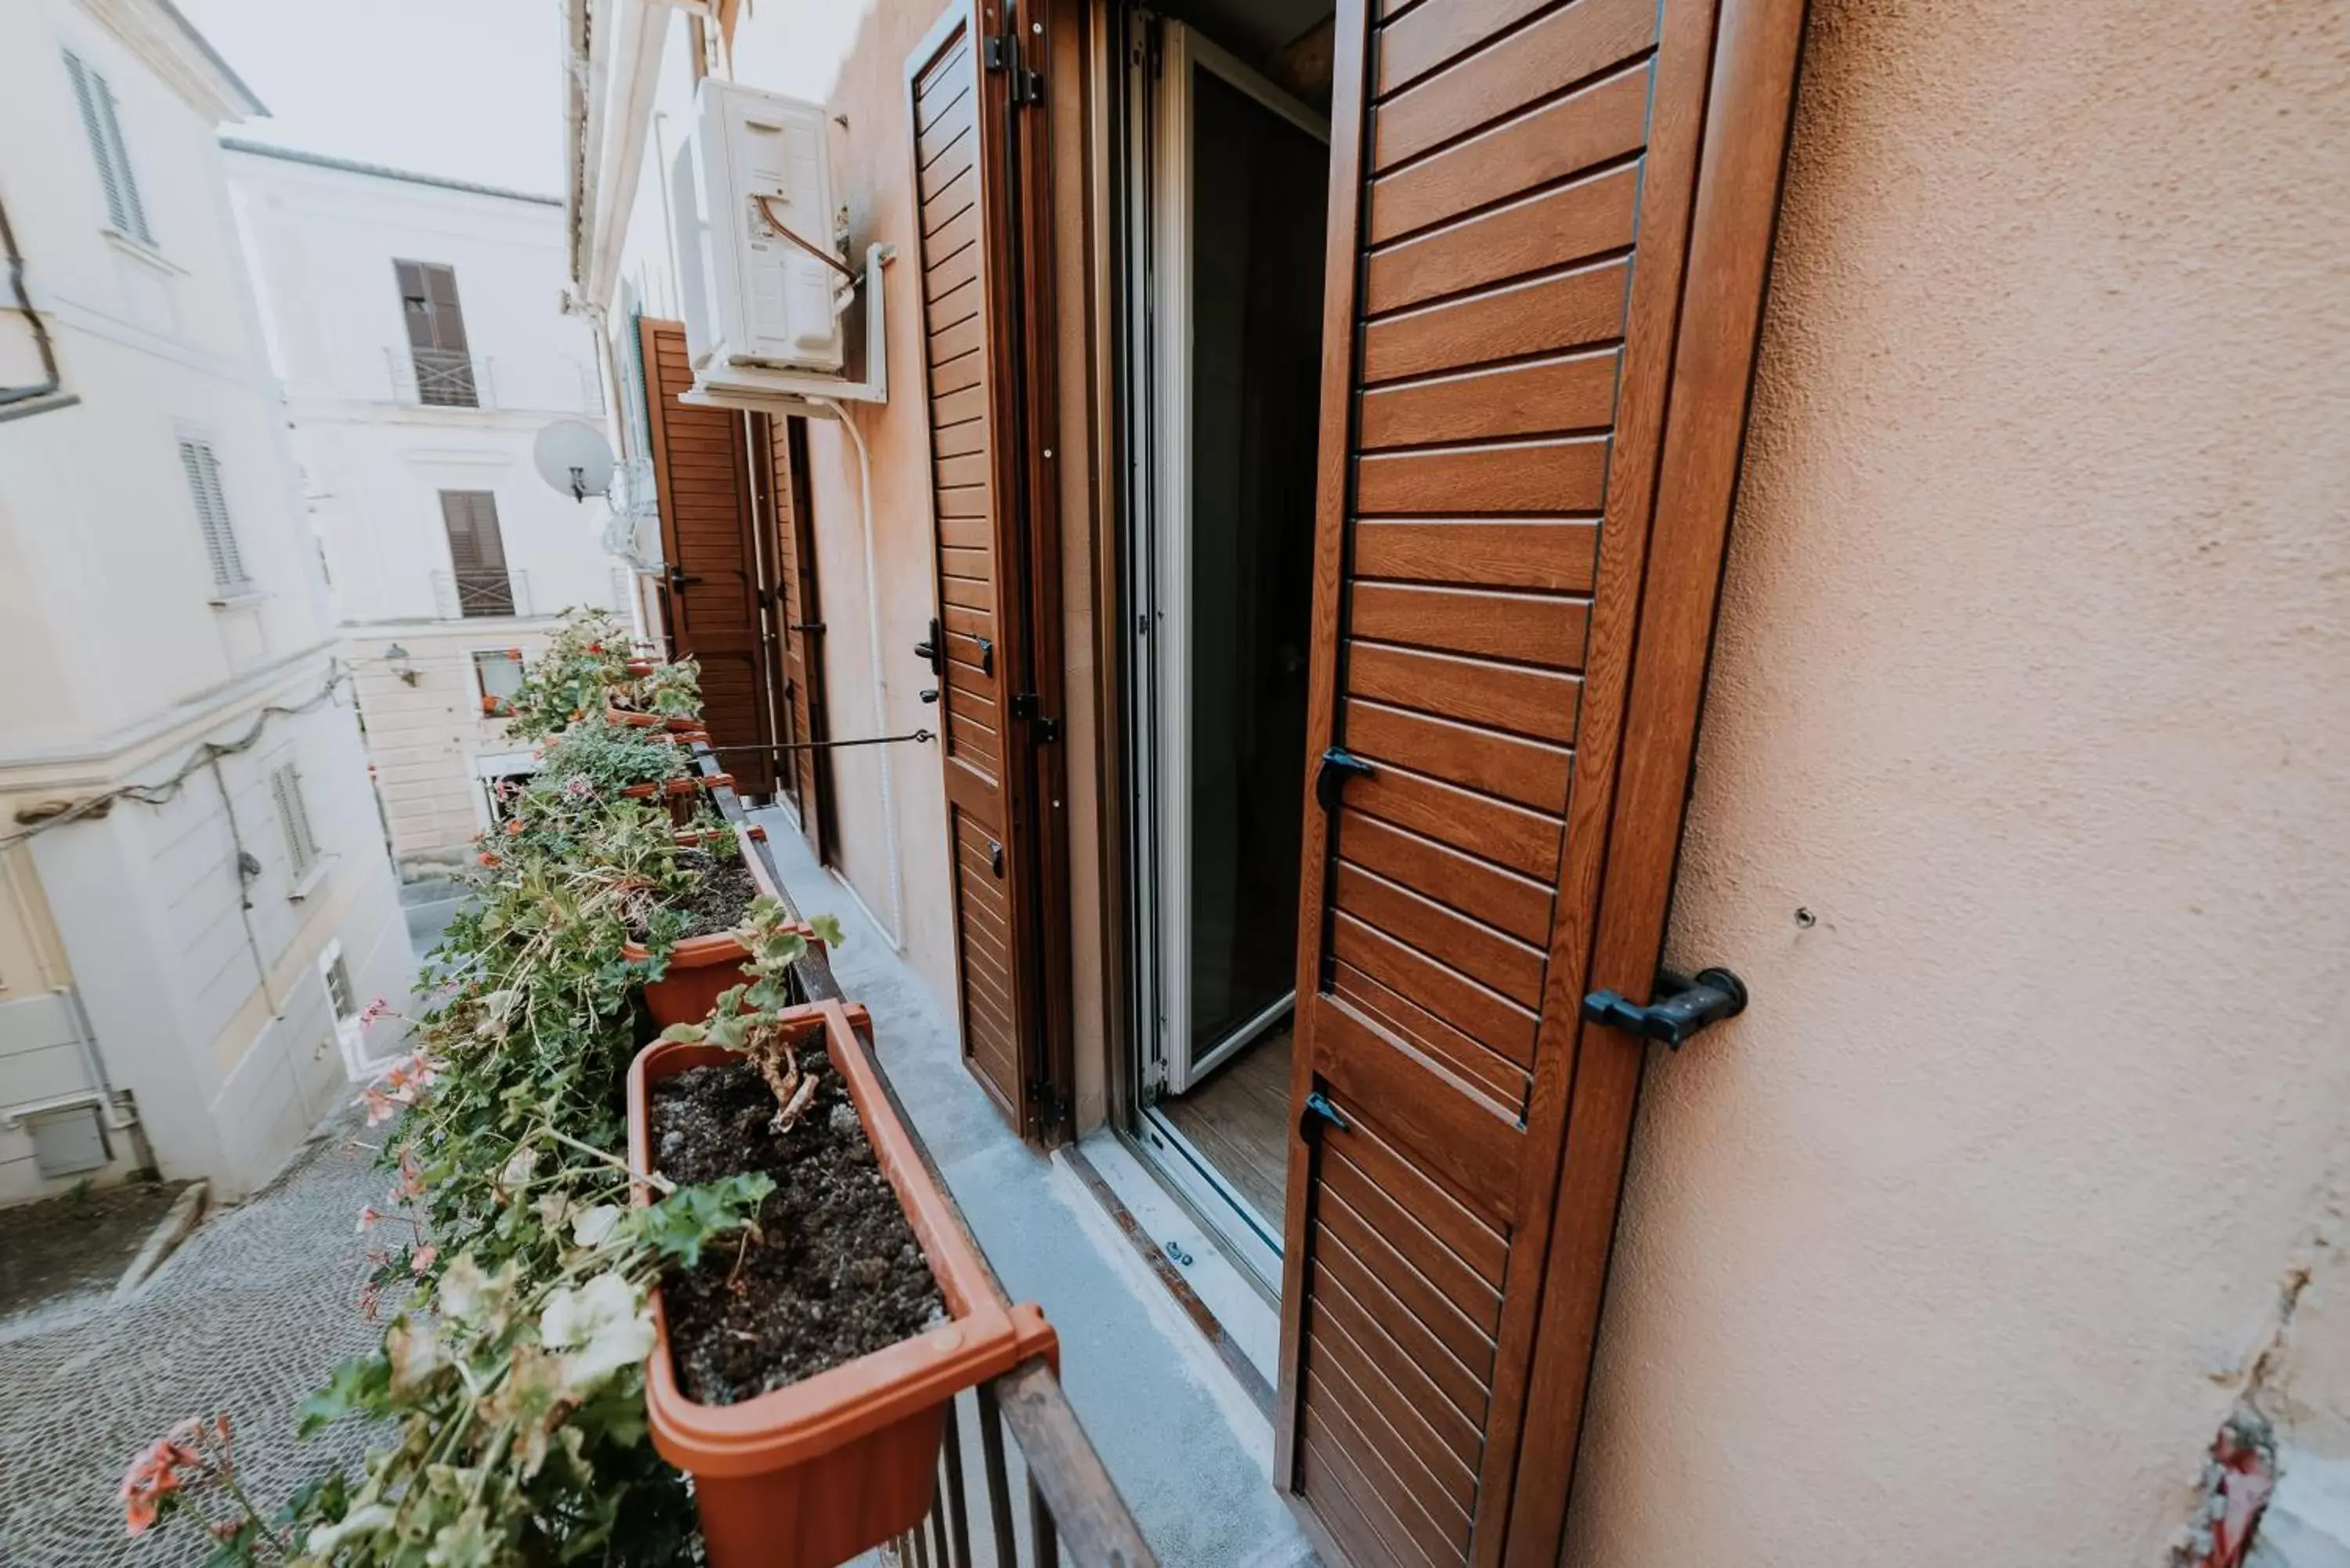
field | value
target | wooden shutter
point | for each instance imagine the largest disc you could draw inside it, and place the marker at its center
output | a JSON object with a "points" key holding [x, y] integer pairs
{"points": [[102, 122], [471, 516], [428, 296], [710, 594], [981, 185], [1543, 301], [202, 471], [294, 817], [477, 552], [802, 775], [89, 94]]}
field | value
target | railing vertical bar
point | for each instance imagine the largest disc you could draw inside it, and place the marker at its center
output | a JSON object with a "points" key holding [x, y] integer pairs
{"points": [[938, 1537], [958, 1509], [999, 1490], [921, 1547]]}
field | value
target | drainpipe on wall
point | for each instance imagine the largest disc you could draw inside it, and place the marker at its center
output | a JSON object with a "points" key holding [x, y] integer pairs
{"points": [[890, 932], [40, 396]]}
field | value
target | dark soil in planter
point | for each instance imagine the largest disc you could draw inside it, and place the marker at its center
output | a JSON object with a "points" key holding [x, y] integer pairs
{"points": [[721, 895], [837, 1274]]}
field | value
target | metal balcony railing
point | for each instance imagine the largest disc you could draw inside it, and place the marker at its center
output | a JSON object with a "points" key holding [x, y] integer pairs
{"points": [[474, 592], [454, 378], [443, 378], [1043, 1499]]}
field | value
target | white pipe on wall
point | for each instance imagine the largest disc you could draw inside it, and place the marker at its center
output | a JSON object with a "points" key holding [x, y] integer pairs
{"points": [[890, 932]]}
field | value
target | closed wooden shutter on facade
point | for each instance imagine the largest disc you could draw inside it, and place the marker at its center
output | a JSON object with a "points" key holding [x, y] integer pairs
{"points": [[995, 660], [711, 594], [1543, 299]]}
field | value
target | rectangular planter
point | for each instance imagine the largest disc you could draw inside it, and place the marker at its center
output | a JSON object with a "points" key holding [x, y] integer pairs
{"points": [[810, 1475], [700, 968]]}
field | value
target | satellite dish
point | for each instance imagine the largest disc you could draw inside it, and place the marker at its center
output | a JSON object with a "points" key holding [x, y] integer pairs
{"points": [[575, 458]]}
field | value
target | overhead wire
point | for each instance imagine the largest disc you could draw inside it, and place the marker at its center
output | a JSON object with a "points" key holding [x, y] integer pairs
{"points": [[206, 754]]}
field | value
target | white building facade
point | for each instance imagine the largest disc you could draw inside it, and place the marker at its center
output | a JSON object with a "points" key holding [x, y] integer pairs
{"points": [[415, 325], [197, 902]]}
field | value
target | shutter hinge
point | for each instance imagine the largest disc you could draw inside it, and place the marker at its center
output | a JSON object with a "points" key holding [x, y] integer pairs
{"points": [[1047, 1103], [1001, 53], [1030, 707]]}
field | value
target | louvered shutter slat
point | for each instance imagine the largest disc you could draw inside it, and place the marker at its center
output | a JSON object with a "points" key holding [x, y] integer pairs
{"points": [[204, 489], [85, 96], [134, 210]]}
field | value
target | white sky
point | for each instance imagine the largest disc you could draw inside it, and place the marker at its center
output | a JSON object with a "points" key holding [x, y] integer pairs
{"points": [[468, 88]]}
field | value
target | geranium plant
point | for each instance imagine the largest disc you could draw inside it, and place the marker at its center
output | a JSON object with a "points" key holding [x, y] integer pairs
{"points": [[510, 1371]]}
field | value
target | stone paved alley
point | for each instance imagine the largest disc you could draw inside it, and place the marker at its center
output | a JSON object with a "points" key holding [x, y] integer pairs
{"points": [[248, 1316]]}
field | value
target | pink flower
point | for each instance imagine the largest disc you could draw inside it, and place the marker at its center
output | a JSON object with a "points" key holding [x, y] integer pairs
{"points": [[411, 1186], [378, 1008], [578, 786], [367, 1218], [398, 1087], [422, 1259], [154, 1475]]}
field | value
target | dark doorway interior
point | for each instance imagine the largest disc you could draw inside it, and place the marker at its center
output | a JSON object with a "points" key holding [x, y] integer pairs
{"points": [[1226, 398]]}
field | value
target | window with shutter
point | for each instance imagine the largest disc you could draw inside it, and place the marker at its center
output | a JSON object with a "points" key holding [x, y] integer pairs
{"points": [[102, 122], [477, 552], [436, 335], [202, 467], [340, 993], [293, 820]]}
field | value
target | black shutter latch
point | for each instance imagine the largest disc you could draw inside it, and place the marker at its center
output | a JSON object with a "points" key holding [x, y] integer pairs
{"points": [[1317, 1113], [1338, 766], [1685, 1006]]}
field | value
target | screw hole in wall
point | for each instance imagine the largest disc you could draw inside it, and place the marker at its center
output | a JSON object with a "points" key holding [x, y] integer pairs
{"points": [[1805, 919]]}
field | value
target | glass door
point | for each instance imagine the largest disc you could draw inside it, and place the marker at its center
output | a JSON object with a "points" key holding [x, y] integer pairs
{"points": [[1227, 181], [1238, 193]]}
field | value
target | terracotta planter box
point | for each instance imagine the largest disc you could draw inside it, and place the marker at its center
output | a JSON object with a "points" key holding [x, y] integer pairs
{"points": [[810, 1475], [700, 968], [683, 728], [685, 786]]}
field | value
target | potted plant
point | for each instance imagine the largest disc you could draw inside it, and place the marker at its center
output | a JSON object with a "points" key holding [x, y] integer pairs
{"points": [[807, 1449], [716, 885]]}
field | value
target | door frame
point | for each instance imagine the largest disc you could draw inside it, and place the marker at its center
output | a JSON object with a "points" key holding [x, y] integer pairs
{"points": [[1163, 731]]}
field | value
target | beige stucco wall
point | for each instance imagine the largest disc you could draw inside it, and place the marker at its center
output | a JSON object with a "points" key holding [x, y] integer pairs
{"points": [[870, 94], [2033, 684]]}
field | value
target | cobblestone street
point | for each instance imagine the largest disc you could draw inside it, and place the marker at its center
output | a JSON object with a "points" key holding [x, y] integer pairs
{"points": [[247, 1317]]}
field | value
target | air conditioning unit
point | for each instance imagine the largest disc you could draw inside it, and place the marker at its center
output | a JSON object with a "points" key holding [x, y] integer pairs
{"points": [[769, 298]]}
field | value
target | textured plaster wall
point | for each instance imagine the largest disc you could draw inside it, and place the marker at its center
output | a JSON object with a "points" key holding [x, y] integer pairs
{"points": [[2033, 685], [873, 156]]}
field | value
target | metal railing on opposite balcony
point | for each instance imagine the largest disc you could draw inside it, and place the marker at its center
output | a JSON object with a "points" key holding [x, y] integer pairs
{"points": [[1043, 1499], [472, 592], [440, 378]]}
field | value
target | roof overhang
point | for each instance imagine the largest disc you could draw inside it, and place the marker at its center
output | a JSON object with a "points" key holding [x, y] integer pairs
{"points": [[169, 46], [613, 58]]}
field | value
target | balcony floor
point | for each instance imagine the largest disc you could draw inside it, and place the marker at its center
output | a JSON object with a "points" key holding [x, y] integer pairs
{"points": [[1188, 1451]]}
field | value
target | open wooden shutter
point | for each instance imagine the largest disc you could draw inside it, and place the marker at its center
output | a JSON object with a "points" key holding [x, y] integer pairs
{"points": [[802, 775], [979, 181], [1542, 310], [709, 595]]}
